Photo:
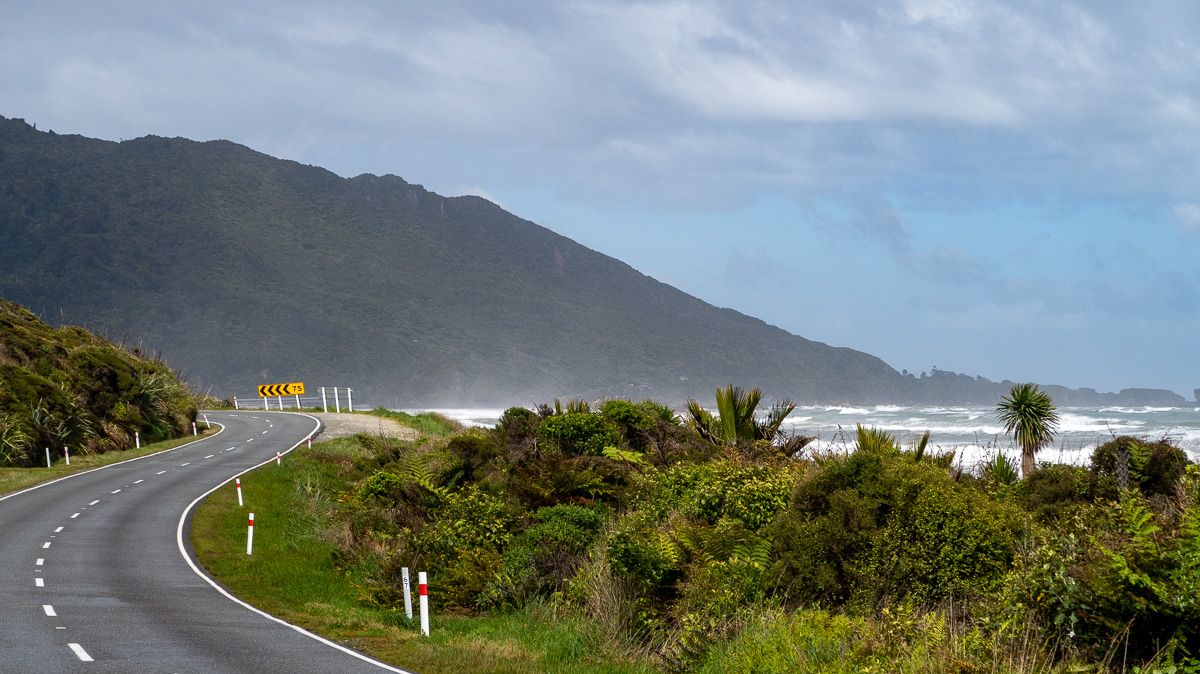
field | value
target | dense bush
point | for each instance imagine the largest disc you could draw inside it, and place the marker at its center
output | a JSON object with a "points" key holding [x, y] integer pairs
{"points": [[877, 526], [1155, 468], [545, 555], [1056, 491], [576, 433]]}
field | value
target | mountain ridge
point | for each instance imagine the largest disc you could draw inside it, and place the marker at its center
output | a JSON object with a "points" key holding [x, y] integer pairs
{"points": [[243, 268]]}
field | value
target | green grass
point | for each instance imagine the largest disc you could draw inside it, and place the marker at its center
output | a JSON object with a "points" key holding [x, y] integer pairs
{"points": [[16, 479], [426, 423], [291, 575]]}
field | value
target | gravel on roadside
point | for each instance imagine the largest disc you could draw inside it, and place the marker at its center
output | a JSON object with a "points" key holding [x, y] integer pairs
{"points": [[342, 425]]}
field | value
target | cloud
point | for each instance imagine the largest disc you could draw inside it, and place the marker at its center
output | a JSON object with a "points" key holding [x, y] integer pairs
{"points": [[1188, 216]]}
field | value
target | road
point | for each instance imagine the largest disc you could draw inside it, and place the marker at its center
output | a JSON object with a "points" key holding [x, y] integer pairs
{"points": [[94, 578]]}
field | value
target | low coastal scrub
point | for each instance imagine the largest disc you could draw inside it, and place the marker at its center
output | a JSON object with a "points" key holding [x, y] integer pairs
{"points": [[717, 544], [67, 388]]}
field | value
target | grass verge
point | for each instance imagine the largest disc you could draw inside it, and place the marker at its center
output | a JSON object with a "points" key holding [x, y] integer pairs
{"points": [[291, 575], [16, 479]]}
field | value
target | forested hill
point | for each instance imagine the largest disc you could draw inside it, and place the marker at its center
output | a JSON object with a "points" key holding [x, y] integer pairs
{"points": [[245, 269]]}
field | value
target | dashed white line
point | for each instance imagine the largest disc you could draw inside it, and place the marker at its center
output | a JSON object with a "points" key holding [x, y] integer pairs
{"points": [[58, 530], [185, 464], [210, 456], [264, 432], [80, 653], [75, 515], [49, 611], [94, 502], [250, 440], [116, 491], [45, 545], [160, 472], [39, 582], [138, 481], [40, 561]]}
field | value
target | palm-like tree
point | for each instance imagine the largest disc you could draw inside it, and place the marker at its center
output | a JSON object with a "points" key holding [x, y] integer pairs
{"points": [[736, 423], [1030, 415]]}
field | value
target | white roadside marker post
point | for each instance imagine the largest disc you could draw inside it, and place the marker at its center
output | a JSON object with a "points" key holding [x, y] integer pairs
{"points": [[67, 454], [206, 424], [266, 403], [279, 399], [423, 590], [297, 401], [349, 399], [278, 458], [310, 442], [336, 401], [235, 403], [47, 457], [237, 482], [407, 593], [137, 439], [324, 402], [194, 431], [250, 536]]}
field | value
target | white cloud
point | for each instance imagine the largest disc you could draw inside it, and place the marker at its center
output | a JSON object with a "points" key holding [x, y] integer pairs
{"points": [[1188, 215]]}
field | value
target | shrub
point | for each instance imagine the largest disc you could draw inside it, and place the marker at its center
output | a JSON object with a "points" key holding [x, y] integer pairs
{"points": [[632, 420], [518, 425], [876, 526], [1055, 491], [463, 544], [576, 433], [545, 555], [471, 452], [1155, 468]]}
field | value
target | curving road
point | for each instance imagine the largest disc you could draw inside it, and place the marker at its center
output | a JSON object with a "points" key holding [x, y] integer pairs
{"points": [[93, 577]]}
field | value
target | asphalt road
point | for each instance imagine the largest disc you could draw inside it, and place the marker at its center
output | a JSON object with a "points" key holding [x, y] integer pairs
{"points": [[93, 576]]}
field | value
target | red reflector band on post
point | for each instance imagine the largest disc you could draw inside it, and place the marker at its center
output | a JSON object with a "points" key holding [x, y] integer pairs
{"points": [[423, 590], [251, 520]]}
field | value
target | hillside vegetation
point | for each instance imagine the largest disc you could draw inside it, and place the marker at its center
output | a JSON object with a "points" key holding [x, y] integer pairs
{"points": [[718, 544], [67, 388], [245, 269]]}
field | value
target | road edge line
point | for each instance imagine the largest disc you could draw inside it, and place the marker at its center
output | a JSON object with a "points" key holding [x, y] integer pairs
{"points": [[92, 470], [187, 557]]}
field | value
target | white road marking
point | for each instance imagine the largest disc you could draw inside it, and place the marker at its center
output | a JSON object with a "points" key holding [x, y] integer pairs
{"points": [[250, 440], [40, 561], [160, 472], [264, 432], [116, 491], [49, 610], [58, 530], [231, 449], [45, 545], [82, 654], [210, 456], [138, 481], [185, 464], [39, 582], [75, 515], [94, 502]]}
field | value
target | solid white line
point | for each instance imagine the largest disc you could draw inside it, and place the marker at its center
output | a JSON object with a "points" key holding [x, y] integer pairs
{"points": [[39, 582], [94, 502], [116, 491], [49, 611], [138, 481], [58, 530], [40, 561], [45, 545], [196, 569], [80, 653], [75, 515], [136, 458]]}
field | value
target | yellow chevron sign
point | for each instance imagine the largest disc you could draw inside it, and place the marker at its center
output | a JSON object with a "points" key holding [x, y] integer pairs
{"points": [[271, 390]]}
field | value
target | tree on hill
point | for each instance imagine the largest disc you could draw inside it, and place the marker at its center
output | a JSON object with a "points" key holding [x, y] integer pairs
{"points": [[1030, 415]]}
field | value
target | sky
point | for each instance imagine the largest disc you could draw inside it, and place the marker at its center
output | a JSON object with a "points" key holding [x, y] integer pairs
{"points": [[1003, 189]]}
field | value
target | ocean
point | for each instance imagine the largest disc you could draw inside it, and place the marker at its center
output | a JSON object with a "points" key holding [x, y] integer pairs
{"points": [[973, 433]]}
